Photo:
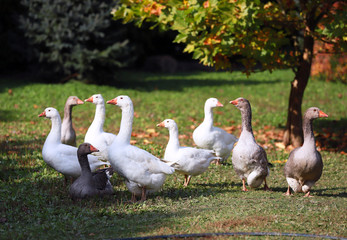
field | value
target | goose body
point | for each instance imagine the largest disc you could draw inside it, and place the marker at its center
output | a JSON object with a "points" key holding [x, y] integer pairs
{"points": [[68, 134], [207, 136], [249, 159], [90, 184], [304, 166], [95, 134], [62, 157], [186, 160], [144, 173]]}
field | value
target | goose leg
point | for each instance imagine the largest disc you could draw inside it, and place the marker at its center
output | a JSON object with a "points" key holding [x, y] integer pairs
{"points": [[288, 193], [187, 180], [143, 196], [266, 188], [308, 194], [244, 185], [133, 198], [67, 179]]}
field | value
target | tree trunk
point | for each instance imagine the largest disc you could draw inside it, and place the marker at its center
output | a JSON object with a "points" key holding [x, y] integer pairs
{"points": [[293, 132]]}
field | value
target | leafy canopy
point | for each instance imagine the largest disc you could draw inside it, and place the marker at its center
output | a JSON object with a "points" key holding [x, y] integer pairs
{"points": [[269, 33]]}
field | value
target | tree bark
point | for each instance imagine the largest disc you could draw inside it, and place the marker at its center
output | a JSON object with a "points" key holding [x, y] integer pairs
{"points": [[293, 134]]}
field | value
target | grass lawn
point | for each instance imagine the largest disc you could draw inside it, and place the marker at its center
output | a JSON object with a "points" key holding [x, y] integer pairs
{"points": [[34, 201]]}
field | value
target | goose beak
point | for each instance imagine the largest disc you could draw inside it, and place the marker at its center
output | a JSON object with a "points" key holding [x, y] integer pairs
{"points": [[93, 149], [79, 101], [162, 124], [235, 102], [89, 100], [112, 101], [43, 114], [219, 104], [322, 114]]}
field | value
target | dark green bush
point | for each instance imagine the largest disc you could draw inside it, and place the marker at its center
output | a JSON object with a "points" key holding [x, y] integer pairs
{"points": [[75, 39]]}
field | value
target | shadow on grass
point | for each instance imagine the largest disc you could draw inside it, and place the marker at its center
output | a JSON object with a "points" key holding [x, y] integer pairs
{"points": [[46, 197], [7, 116], [322, 192], [22, 146], [197, 190], [331, 134], [177, 82]]}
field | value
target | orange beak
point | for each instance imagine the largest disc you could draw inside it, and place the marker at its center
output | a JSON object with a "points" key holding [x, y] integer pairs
{"points": [[322, 114], [93, 149], [43, 114], [235, 102], [89, 100], [79, 101], [112, 101], [219, 104], [162, 124]]}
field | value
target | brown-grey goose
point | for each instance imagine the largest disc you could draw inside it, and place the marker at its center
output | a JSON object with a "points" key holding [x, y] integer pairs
{"points": [[68, 135], [249, 159], [304, 166], [90, 183]]}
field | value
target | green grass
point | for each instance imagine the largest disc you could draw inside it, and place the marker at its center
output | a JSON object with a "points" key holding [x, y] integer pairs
{"points": [[33, 198]]}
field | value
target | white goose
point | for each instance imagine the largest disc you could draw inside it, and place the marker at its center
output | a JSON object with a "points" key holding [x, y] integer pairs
{"points": [[186, 160], [209, 137], [62, 157], [144, 172], [95, 134], [68, 135], [249, 159]]}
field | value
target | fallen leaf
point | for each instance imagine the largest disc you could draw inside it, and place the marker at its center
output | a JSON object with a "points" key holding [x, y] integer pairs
{"points": [[147, 142], [150, 130], [183, 136], [280, 145], [279, 161]]}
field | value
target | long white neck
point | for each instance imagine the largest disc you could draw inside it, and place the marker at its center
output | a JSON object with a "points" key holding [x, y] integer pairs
{"points": [[173, 145], [174, 140], [99, 118], [208, 120], [126, 124], [55, 133]]}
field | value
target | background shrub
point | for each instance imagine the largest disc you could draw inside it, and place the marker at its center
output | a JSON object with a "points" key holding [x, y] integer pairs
{"points": [[75, 39]]}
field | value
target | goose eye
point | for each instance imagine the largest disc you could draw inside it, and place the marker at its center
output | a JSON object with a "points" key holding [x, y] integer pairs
{"points": [[96, 97], [121, 97], [315, 110], [167, 121]]}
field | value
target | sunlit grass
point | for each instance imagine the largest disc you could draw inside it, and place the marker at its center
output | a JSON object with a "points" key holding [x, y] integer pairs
{"points": [[34, 200]]}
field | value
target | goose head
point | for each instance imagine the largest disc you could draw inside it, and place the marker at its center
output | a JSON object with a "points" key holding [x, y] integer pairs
{"points": [[73, 101], [314, 112], [121, 101], [96, 99], [49, 113], [86, 148], [213, 102], [241, 103], [168, 123]]}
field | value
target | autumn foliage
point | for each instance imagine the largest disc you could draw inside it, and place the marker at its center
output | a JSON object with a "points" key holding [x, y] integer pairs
{"points": [[265, 34]]}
